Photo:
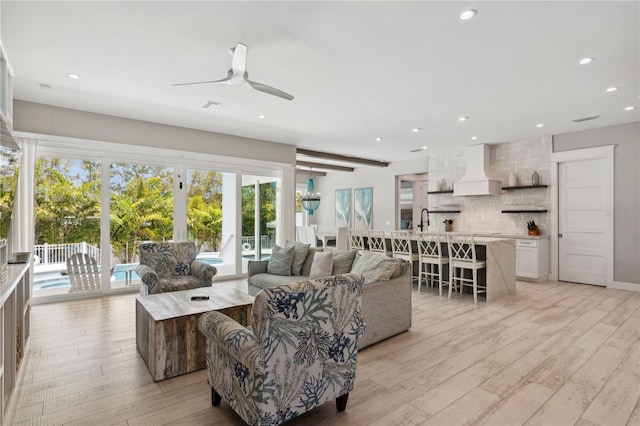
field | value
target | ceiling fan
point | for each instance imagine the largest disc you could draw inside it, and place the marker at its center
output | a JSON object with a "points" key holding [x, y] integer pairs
{"points": [[238, 75]]}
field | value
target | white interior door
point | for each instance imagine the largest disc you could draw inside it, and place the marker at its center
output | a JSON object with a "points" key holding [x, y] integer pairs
{"points": [[582, 222]]}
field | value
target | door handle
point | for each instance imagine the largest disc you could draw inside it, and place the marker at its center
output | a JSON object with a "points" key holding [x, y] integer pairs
{"points": [[559, 235]]}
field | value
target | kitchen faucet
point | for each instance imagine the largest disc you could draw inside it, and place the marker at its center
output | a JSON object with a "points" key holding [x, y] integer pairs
{"points": [[421, 226]]}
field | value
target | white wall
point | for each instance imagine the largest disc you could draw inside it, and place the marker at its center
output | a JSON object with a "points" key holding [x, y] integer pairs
{"points": [[50, 120], [626, 138], [383, 181]]}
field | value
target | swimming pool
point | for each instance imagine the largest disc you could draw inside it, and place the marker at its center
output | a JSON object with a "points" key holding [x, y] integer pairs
{"points": [[119, 274]]}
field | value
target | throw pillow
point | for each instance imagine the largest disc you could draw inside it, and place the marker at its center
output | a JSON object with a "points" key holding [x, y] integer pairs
{"points": [[281, 260], [322, 264], [342, 262], [306, 266], [300, 254], [375, 267]]}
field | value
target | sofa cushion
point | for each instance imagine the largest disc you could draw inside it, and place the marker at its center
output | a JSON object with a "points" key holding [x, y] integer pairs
{"points": [[268, 280], [322, 265], [375, 267], [281, 260], [306, 266], [343, 261], [300, 254]]}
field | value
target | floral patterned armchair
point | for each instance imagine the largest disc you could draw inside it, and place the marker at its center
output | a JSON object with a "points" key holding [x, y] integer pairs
{"points": [[171, 267], [300, 351]]}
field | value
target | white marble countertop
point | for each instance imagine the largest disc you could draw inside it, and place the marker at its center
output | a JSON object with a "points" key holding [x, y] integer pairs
{"points": [[514, 236]]}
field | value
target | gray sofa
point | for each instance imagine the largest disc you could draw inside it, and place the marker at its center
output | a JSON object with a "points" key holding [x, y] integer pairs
{"points": [[386, 305]]}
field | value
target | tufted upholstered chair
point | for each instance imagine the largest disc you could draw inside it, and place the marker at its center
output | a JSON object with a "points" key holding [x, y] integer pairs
{"points": [[171, 267], [300, 352]]}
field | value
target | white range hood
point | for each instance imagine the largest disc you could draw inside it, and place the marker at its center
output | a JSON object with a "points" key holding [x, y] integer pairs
{"points": [[477, 179]]}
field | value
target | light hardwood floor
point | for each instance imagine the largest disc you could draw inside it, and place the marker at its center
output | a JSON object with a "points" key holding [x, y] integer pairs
{"points": [[555, 354]]}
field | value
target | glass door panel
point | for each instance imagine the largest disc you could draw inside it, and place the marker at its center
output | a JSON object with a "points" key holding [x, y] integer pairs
{"points": [[214, 237], [259, 217], [141, 210], [67, 216]]}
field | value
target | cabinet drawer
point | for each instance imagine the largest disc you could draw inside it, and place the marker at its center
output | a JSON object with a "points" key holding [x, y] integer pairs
{"points": [[526, 243]]}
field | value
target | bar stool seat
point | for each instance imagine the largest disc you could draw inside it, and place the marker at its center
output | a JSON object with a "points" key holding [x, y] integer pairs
{"points": [[430, 256], [401, 249], [377, 242], [356, 240], [462, 256]]}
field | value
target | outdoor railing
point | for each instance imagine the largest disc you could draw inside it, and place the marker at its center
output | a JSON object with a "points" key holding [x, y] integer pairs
{"points": [[58, 253], [249, 242]]}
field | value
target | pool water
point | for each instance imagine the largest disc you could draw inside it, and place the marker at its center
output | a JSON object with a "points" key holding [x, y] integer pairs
{"points": [[119, 274]]}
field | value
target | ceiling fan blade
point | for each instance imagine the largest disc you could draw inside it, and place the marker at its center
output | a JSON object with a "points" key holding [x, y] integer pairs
{"points": [[224, 80], [239, 61], [269, 90]]}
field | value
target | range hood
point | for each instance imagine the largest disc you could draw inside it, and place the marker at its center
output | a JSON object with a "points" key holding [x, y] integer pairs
{"points": [[477, 179]]}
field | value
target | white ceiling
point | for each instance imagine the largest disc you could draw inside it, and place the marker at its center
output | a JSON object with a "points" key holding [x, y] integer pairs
{"points": [[358, 70]]}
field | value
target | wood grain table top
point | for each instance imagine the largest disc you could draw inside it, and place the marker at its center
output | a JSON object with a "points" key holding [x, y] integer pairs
{"points": [[163, 306]]}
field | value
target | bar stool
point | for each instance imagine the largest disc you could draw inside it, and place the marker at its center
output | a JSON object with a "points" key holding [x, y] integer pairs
{"points": [[377, 242], [430, 256], [462, 255], [401, 249], [356, 240]]}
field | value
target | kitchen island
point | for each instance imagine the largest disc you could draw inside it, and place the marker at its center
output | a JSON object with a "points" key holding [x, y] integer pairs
{"points": [[500, 255]]}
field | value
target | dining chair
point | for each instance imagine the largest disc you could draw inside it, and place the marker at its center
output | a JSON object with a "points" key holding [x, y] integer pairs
{"points": [[462, 256], [431, 260]]}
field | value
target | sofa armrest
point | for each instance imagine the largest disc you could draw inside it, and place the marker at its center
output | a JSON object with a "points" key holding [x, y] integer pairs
{"points": [[257, 267], [203, 271], [149, 278], [235, 339]]}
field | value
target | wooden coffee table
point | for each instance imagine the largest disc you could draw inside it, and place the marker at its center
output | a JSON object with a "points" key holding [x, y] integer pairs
{"points": [[167, 333]]}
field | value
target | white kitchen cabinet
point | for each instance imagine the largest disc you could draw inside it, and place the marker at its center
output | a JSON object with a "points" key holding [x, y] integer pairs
{"points": [[532, 259]]}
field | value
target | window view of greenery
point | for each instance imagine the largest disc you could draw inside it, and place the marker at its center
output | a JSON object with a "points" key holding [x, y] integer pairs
{"points": [[141, 207], [9, 162], [68, 211], [267, 213], [204, 209], [67, 201]]}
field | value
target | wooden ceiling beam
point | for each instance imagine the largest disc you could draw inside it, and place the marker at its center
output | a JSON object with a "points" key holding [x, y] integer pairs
{"points": [[324, 166], [338, 157], [305, 173]]}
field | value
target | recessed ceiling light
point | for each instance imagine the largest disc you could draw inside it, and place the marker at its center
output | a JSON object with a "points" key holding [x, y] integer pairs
{"points": [[262, 116], [473, 138], [73, 76], [463, 118], [629, 108], [378, 139], [45, 87], [424, 147], [585, 61], [612, 89], [468, 14], [416, 129], [539, 125]]}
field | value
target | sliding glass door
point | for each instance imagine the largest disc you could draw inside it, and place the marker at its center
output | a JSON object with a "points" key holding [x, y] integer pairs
{"points": [[259, 217]]}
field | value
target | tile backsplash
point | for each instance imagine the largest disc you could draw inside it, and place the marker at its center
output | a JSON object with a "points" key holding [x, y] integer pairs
{"points": [[483, 214]]}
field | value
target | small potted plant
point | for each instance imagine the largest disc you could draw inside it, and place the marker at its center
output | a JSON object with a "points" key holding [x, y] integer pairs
{"points": [[448, 225]]}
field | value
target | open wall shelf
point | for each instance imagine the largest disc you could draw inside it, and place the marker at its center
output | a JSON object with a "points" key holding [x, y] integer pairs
{"points": [[444, 211], [524, 211], [511, 188]]}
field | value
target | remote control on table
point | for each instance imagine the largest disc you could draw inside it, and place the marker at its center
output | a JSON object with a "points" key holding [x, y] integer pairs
{"points": [[199, 297]]}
